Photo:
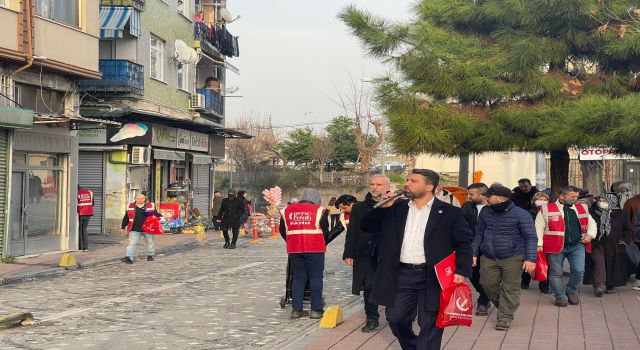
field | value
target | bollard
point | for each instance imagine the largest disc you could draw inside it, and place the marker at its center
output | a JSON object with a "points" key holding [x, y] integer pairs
{"points": [[254, 230], [332, 317], [68, 260], [274, 231]]}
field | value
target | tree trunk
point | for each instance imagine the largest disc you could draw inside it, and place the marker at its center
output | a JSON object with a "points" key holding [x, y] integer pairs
{"points": [[463, 171], [592, 176], [559, 170]]}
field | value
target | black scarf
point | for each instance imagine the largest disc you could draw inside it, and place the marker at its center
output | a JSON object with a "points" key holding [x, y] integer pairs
{"points": [[501, 207]]}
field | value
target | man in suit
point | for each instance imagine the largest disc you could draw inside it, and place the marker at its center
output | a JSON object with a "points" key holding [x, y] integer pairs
{"points": [[414, 236], [231, 210]]}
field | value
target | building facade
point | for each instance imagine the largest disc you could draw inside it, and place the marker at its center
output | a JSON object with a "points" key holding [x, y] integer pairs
{"points": [[163, 80], [46, 47]]}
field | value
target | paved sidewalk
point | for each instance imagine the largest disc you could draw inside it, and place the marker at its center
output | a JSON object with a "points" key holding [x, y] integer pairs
{"points": [[107, 251], [610, 322]]}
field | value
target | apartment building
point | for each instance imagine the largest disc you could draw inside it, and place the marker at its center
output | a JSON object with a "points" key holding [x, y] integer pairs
{"points": [[46, 47], [163, 65]]}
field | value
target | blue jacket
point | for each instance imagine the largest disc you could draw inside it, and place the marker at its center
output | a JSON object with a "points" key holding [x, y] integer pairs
{"points": [[506, 234]]}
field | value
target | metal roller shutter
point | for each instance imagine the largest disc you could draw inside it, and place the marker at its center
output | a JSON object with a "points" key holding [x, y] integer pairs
{"points": [[91, 177], [200, 184], [3, 183]]}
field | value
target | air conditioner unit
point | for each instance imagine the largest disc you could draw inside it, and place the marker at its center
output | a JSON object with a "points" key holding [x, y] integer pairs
{"points": [[196, 101], [140, 155]]}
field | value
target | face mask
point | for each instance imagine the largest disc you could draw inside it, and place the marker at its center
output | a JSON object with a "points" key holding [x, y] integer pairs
{"points": [[603, 205], [569, 201], [540, 203]]}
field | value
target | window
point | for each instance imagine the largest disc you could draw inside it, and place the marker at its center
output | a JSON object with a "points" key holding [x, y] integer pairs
{"points": [[65, 11], [4, 3], [40, 100], [6, 89], [156, 67], [184, 7], [106, 50], [183, 76]]}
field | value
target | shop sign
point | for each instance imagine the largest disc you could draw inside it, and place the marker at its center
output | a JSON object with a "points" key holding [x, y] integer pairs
{"points": [[601, 154], [164, 136], [184, 139], [95, 136], [130, 134], [199, 142]]}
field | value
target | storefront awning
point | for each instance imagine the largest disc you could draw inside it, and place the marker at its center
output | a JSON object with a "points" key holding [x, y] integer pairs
{"points": [[200, 158], [168, 155], [113, 20]]}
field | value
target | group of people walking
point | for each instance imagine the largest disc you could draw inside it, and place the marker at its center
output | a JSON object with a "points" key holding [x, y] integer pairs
{"points": [[393, 242]]}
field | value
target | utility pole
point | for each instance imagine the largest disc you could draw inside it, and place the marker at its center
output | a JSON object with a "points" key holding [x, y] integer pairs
{"points": [[382, 158]]}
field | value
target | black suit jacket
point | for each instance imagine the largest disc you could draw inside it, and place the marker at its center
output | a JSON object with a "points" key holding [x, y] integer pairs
{"points": [[447, 231]]}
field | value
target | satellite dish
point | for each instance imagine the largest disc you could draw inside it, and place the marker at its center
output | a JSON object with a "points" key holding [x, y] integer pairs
{"points": [[226, 15], [185, 54]]}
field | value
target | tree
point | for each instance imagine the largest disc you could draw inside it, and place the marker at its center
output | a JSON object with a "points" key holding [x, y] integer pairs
{"points": [[247, 153], [342, 134], [322, 151], [297, 148], [496, 75]]}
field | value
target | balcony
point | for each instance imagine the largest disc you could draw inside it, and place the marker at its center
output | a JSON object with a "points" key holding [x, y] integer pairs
{"points": [[118, 77], [137, 4], [213, 101], [222, 43]]}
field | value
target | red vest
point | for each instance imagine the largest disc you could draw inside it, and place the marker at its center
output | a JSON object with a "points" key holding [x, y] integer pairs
{"points": [[85, 202], [344, 219], [302, 222], [131, 212], [553, 239]]}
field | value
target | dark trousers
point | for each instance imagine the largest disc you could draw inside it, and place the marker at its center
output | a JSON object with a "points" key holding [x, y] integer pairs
{"points": [[410, 298], [483, 299], [307, 267], [83, 237], [216, 223], [526, 279], [225, 232], [370, 309]]}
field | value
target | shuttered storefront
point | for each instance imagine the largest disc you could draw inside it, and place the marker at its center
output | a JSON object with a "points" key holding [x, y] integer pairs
{"points": [[4, 165], [201, 191], [91, 176]]}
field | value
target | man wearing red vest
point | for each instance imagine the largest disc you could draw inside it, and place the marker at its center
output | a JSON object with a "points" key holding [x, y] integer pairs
{"points": [[304, 226], [85, 211], [565, 230], [133, 220]]}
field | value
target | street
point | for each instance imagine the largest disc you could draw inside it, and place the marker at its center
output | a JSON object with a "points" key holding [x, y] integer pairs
{"points": [[206, 298]]}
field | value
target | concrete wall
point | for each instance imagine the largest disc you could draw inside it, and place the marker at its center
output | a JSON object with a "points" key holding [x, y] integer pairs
{"points": [[62, 43], [8, 25], [504, 167], [163, 21]]}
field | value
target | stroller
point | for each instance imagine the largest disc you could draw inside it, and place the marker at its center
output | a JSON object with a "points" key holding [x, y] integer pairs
{"points": [[288, 294]]}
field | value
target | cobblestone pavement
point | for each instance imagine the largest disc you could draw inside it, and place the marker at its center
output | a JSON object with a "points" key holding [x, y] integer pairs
{"points": [[206, 298]]}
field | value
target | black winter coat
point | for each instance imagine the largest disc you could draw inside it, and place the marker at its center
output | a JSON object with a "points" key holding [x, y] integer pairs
{"points": [[447, 231], [359, 245], [521, 199], [231, 211], [615, 253]]}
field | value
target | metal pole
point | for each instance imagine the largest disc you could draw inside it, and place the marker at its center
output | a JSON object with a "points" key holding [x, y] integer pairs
{"points": [[463, 170], [384, 166]]}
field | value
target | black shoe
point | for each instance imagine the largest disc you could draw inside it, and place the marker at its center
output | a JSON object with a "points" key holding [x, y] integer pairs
{"points": [[316, 314], [299, 313], [149, 258], [226, 245], [232, 246], [482, 310], [544, 289], [370, 326], [127, 260], [524, 285]]}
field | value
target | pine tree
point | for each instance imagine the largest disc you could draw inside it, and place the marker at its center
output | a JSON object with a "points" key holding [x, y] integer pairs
{"points": [[498, 75]]}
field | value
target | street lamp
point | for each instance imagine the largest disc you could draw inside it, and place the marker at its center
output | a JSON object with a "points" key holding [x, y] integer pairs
{"points": [[382, 144]]}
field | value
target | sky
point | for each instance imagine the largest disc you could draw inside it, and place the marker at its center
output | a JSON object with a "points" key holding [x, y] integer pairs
{"points": [[296, 56]]}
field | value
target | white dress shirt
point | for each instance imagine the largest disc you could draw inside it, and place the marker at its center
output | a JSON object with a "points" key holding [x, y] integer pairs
{"points": [[479, 207], [412, 251]]}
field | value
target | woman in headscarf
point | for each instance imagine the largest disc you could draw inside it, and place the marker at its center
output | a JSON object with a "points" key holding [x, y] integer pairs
{"points": [[608, 265]]}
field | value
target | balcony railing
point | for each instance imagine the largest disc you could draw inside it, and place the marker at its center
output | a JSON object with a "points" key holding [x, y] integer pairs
{"points": [[137, 4], [213, 101], [222, 42], [118, 77]]}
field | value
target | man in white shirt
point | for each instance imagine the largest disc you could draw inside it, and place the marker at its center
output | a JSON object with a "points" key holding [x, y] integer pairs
{"points": [[414, 236]]}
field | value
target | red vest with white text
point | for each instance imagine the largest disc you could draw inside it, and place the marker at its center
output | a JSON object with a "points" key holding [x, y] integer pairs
{"points": [[131, 212], [85, 202], [302, 223], [553, 239]]}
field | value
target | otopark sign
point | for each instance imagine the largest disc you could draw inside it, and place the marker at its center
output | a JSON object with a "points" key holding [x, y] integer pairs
{"points": [[601, 154]]}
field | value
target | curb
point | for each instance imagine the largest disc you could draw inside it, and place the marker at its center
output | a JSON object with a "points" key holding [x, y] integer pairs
{"points": [[26, 276]]}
